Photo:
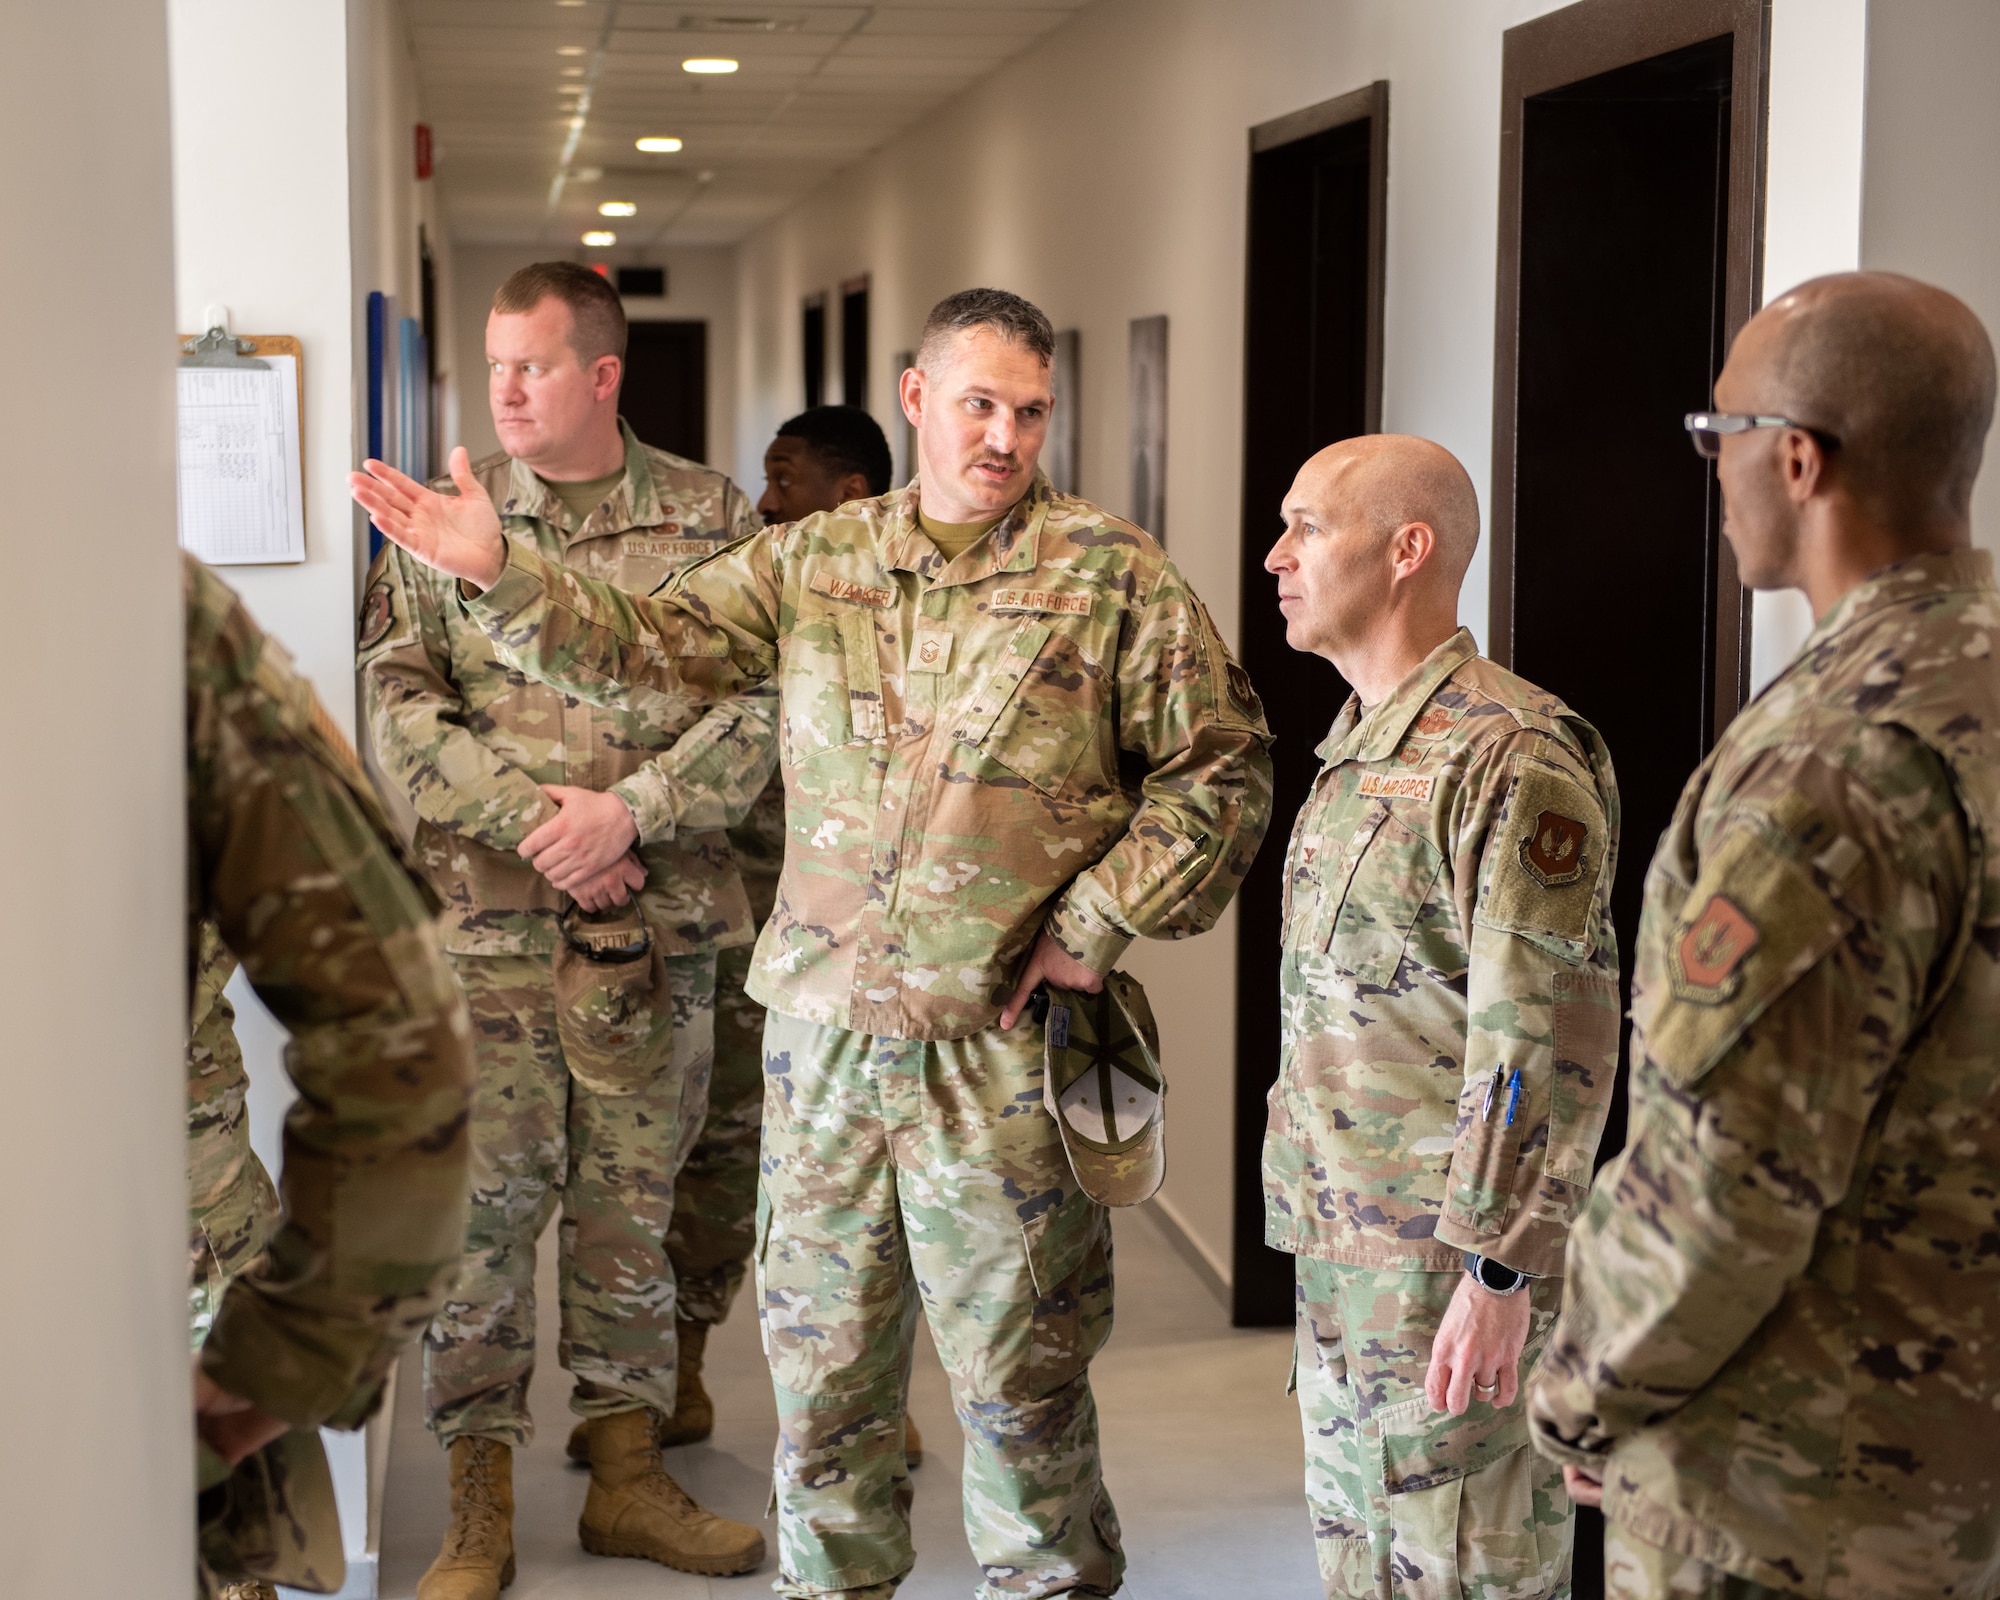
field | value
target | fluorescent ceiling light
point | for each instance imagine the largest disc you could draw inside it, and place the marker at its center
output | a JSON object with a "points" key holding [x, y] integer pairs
{"points": [[570, 50], [600, 238], [618, 208], [659, 147], [708, 64]]}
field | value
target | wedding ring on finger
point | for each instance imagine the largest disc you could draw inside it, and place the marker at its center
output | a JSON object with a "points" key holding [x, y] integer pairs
{"points": [[1483, 1390]]}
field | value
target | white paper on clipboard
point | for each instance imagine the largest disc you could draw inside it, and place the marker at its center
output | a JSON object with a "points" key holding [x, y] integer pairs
{"points": [[242, 499]]}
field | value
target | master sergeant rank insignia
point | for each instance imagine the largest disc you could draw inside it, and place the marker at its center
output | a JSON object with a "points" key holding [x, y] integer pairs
{"points": [[1553, 850]]}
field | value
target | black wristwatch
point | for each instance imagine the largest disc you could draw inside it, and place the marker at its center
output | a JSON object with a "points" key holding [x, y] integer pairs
{"points": [[1494, 1278]]}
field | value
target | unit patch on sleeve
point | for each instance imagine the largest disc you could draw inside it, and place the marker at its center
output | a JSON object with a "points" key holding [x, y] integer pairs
{"points": [[1553, 849], [377, 612], [1710, 951]]}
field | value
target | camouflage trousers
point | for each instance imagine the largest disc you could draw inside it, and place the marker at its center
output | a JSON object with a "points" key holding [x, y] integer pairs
{"points": [[224, 1237], [1635, 1570], [914, 1177], [541, 1139], [715, 1198], [1408, 1503]]}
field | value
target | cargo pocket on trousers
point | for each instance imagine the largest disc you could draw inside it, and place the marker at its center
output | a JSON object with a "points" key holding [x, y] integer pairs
{"points": [[1056, 1239], [1461, 1501]]}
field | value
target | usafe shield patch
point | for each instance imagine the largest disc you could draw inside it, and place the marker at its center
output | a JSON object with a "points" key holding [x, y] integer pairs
{"points": [[1553, 850], [859, 594], [1398, 785], [1042, 600], [377, 612], [1709, 953]]}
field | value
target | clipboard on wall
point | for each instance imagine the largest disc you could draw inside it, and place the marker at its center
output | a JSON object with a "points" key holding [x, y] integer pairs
{"points": [[240, 423]]}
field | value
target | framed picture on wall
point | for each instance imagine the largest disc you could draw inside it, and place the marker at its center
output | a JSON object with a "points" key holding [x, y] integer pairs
{"points": [[1061, 456], [1148, 359]]}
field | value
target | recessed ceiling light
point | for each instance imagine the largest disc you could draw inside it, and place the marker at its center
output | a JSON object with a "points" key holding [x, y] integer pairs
{"points": [[569, 3], [618, 208], [572, 72], [709, 64], [659, 147], [600, 238], [570, 50]]}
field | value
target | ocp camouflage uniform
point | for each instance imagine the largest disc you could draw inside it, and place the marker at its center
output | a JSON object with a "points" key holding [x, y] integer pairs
{"points": [[1450, 993], [714, 1227], [1779, 1342], [232, 1207], [472, 742], [1044, 733], [290, 857]]}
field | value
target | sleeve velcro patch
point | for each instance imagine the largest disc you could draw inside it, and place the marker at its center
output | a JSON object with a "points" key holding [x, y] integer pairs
{"points": [[1755, 922], [1544, 860]]}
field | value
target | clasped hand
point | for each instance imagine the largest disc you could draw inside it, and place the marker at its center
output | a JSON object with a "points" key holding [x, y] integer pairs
{"points": [[586, 848]]}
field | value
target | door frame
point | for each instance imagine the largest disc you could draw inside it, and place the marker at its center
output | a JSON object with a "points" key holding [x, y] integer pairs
{"points": [[1255, 1302], [1564, 47]]}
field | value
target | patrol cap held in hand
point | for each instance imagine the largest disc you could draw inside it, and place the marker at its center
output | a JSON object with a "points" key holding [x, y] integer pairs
{"points": [[1105, 1090], [614, 1007]]}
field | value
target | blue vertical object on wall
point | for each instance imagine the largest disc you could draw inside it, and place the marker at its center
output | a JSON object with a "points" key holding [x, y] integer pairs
{"points": [[378, 315], [412, 408]]}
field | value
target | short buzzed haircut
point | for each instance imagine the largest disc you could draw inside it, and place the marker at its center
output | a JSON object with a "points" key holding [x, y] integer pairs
{"points": [[597, 315], [844, 439], [1412, 479], [1014, 319], [1901, 373]]}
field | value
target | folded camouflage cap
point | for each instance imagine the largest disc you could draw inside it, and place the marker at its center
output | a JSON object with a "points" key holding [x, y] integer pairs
{"points": [[614, 1008], [1105, 1089]]}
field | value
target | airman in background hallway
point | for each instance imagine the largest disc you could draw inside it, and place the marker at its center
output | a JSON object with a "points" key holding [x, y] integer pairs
{"points": [[1013, 742], [293, 870], [1776, 1363], [538, 814], [1450, 993]]}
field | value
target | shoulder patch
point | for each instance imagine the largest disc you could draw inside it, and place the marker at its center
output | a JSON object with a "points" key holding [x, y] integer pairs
{"points": [[1544, 860], [378, 612], [1753, 925], [855, 593]]}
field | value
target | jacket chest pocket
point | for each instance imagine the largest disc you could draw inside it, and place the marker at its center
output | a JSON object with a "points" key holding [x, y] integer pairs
{"points": [[1038, 708], [833, 690], [1387, 873]]}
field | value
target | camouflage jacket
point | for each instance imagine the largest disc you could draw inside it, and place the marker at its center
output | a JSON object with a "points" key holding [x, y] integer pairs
{"points": [[1778, 1345], [1046, 731], [472, 741], [288, 853], [232, 1208], [1450, 979]]}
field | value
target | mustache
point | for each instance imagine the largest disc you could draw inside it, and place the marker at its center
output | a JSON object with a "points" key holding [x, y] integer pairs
{"points": [[989, 459]]}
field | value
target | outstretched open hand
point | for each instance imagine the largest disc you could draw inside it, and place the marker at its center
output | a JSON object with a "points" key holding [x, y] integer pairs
{"points": [[457, 534]]}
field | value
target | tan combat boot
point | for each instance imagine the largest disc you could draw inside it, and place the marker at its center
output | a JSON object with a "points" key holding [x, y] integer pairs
{"points": [[635, 1509], [477, 1560]]}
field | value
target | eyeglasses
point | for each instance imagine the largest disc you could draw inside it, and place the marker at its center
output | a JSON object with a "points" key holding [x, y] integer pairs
{"points": [[1706, 429]]}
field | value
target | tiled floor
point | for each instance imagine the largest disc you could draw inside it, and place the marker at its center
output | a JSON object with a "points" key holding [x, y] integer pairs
{"points": [[1201, 1446]]}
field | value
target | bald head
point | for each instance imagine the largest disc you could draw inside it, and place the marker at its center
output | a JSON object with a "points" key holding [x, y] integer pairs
{"points": [[1390, 480], [1899, 372], [1379, 532]]}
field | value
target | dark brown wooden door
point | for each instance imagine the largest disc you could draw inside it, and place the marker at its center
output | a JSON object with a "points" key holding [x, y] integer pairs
{"points": [[665, 396], [1312, 375]]}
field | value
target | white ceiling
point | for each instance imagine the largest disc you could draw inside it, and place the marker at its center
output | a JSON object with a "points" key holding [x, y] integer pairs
{"points": [[821, 85]]}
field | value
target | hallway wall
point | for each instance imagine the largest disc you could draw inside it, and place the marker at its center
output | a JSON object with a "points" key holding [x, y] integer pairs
{"points": [[95, 1402]]}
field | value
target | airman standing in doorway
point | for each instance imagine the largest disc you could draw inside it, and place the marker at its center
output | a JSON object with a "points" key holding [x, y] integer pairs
{"points": [[534, 810], [1450, 992], [1776, 1366], [819, 460], [1013, 742]]}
